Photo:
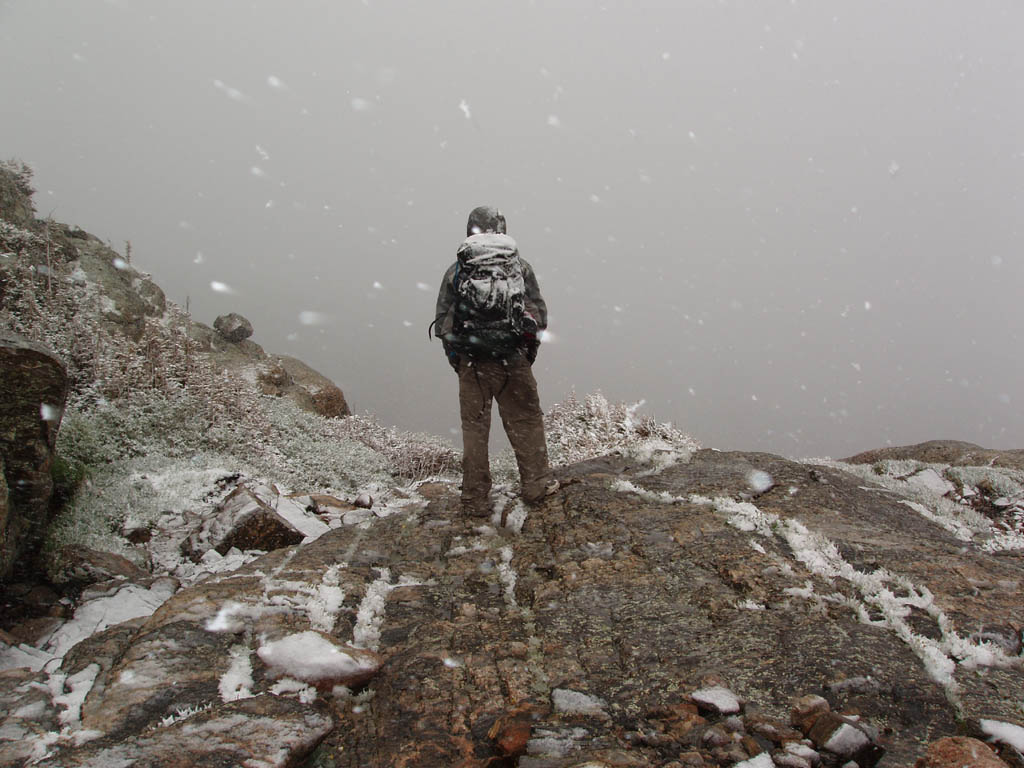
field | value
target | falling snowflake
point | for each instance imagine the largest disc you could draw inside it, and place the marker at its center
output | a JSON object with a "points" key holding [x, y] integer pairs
{"points": [[220, 287], [199, 259], [276, 82], [759, 481], [49, 412], [894, 168], [360, 105], [465, 109], [232, 93], [422, 286], [377, 285], [554, 122], [258, 172], [262, 152], [309, 317]]}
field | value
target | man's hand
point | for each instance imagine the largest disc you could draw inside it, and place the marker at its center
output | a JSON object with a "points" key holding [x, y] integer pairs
{"points": [[530, 346]]}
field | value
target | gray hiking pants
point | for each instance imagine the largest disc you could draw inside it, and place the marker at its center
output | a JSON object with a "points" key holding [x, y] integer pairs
{"points": [[515, 389]]}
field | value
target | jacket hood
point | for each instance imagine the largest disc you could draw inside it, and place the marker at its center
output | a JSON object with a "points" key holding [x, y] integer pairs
{"points": [[485, 219]]}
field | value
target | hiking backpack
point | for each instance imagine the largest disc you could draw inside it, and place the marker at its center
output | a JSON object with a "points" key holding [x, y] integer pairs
{"points": [[490, 297]]}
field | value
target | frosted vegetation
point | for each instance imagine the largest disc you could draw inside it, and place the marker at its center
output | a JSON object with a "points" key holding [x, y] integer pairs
{"points": [[943, 494], [153, 425]]}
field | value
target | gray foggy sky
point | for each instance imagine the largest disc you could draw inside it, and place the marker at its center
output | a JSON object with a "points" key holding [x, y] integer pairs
{"points": [[787, 225]]}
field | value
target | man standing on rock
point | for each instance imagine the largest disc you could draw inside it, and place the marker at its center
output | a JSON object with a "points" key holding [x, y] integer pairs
{"points": [[489, 313]]}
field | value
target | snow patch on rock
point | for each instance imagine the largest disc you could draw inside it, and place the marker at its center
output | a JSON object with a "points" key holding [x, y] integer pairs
{"points": [[311, 657]]}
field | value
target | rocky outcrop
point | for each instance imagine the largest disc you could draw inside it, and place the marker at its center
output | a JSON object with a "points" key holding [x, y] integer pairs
{"points": [[233, 327], [127, 296], [311, 389], [33, 389], [277, 375], [731, 609], [952, 452]]}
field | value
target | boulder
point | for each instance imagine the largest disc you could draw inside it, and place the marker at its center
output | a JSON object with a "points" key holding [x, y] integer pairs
{"points": [[86, 565], [313, 390], [33, 389], [233, 327], [250, 519]]}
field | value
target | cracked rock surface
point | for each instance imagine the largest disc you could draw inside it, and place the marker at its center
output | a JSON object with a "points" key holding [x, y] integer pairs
{"points": [[689, 616]]}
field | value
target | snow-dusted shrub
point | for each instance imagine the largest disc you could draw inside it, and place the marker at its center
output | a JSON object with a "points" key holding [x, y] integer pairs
{"points": [[21, 174], [15, 240], [579, 430], [993, 481], [410, 455]]}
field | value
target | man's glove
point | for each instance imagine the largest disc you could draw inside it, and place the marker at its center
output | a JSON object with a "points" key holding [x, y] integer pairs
{"points": [[530, 346]]}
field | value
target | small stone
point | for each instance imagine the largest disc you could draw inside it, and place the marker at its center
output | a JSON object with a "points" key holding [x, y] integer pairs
{"points": [[510, 734], [734, 724], [802, 751], [789, 760], [717, 736], [364, 501], [845, 738], [691, 760], [716, 699], [805, 710]]}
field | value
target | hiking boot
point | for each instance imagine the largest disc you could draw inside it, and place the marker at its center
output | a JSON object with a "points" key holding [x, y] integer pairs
{"points": [[549, 490], [475, 510]]}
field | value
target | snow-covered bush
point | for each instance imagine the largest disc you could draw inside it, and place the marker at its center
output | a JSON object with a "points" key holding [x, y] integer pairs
{"points": [[15, 240], [992, 481], [21, 175], [579, 430]]}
